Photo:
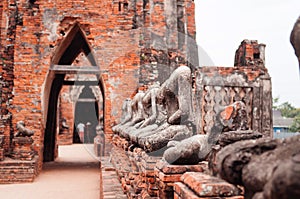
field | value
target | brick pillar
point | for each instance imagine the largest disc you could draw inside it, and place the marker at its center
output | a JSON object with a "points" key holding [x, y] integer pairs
{"points": [[7, 42], [167, 175]]}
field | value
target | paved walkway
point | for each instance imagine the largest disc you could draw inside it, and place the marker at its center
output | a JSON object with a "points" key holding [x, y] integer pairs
{"points": [[75, 174]]}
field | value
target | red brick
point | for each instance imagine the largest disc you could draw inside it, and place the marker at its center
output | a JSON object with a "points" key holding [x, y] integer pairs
{"points": [[208, 186]]}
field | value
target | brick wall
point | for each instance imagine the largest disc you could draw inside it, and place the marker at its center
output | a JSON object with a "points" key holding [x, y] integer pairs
{"points": [[117, 32]]}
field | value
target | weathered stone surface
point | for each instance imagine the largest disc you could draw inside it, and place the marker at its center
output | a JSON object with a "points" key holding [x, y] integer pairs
{"points": [[221, 86], [208, 186], [285, 180], [295, 39], [176, 93], [256, 164], [22, 131], [230, 137], [182, 191], [137, 114], [167, 168]]}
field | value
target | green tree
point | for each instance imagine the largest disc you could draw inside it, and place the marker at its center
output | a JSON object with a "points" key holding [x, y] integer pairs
{"points": [[296, 125], [275, 103], [287, 110]]}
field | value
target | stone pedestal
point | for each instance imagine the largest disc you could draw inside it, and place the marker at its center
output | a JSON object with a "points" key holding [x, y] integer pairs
{"points": [[167, 175], [99, 144], [22, 148]]}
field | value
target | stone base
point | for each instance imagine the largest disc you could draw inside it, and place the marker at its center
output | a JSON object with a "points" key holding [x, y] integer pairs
{"points": [[199, 185], [16, 171], [99, 146], [167, 175], [22, 148]]}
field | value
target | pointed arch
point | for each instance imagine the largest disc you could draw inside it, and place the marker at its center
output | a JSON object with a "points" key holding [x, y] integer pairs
{"points": [[66, 52], [73, 44]]}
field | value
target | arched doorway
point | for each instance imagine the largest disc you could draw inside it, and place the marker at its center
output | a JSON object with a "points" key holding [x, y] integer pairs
{"points": [[86, 112], [73, 44]]}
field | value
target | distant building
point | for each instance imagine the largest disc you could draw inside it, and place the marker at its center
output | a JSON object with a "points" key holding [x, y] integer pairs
{"points": [[281, 125]]}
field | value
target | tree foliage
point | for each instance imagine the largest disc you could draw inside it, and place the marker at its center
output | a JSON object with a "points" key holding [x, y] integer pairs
{"points": [[289, 111]]}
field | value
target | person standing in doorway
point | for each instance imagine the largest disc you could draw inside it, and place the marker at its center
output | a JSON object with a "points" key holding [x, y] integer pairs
{"points": [[80, 130]]}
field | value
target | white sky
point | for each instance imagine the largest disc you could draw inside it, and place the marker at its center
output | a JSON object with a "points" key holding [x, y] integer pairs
{"points": [[223, 24]]}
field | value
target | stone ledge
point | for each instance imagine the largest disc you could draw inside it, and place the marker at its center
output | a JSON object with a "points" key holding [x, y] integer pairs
{"points": [[208, 186], [167, 168], [181, 191]]}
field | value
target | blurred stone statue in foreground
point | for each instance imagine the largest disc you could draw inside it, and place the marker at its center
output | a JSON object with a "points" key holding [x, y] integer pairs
{"points": [[295, 39], [267, 168]]}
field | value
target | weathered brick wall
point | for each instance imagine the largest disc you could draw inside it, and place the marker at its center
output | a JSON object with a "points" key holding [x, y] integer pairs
{"points": [[248, 81], [32, 33], [10, 18], [221, 86], [66, 111]]}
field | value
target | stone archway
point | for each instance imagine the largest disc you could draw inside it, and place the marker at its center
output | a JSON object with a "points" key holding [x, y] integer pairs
{"points": [[73, 44]]}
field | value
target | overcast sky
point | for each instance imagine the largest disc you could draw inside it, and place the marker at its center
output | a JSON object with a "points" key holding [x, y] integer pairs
{"points": [[223, 24]]}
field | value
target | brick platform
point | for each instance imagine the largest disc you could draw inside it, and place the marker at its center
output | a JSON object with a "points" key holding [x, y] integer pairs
{"points": [[22, 148], [17, 171], [167, 175], [144, 176], [146, 166], [110, 187]]}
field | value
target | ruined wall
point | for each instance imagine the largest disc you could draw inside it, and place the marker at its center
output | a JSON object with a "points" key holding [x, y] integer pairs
{"points": [[118, 32], [250, 53], [10, 18], [217, 87], [168, 38], [248, 81]]}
